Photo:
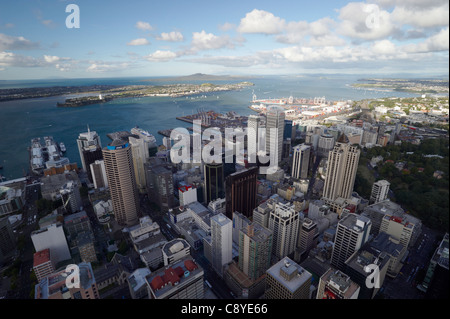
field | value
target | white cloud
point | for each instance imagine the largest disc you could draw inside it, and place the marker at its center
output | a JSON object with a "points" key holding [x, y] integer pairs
{"points": [[260, 21], [435, 43], [140, 41], [173, 36], [209, 41], [102, 67], [9, 59], [144, 26], [16, 43], [365, 21], [422, 17], [227, 26], [161, 56]]}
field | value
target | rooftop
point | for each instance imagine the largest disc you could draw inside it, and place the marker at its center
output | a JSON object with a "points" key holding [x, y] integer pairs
{"points": [[41, 257], [288, 273]]}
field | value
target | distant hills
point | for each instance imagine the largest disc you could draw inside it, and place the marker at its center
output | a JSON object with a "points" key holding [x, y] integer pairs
{"points": [[200, 77]]}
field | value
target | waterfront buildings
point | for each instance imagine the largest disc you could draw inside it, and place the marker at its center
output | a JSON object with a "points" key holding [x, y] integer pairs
{"points": [[90, 149]]}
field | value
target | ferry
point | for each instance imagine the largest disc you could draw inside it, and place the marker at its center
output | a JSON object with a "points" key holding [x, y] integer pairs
{"points": [[62, 147]]}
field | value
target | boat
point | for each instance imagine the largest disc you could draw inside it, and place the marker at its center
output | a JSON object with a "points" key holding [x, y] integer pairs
{"points": [[62, 147]]}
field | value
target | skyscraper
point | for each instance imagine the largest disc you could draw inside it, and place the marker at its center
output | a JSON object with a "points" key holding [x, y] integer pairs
{"points": [[341, 171], [98, 173], [352, 232], [90, 149], [300, 164], [275, 121], [284, 223], [255, 249], [122, 183], [380, 191], [214, 186], [221, 242], [307, 238], [241, 192], [253, 124], [7, 240], [139, 149]]}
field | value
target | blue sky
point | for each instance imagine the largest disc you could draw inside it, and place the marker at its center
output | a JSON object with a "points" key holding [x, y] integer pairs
{"points": [[172, 37]]}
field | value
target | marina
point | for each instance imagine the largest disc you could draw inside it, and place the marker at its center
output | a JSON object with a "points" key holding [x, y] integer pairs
{"points": [[47, 155]]}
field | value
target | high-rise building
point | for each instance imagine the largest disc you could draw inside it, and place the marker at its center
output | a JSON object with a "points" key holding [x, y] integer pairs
{"points": [[398, 227], [284, 223], [300, 164], [255, 249], [139, 150], [275, 122], [287, 280], [160, 183], [352, 232], [325, 144], [334, 284], [435, 283], [180, 280], [98, 173], [122, 183], [7, 240], [253, 124], [380, 191], [341, 171], [90, 149], [175, 250], [70, 196], [214, 182], [221, 242], [239, 221], [241, 189], [307, 238], [54, 286]]}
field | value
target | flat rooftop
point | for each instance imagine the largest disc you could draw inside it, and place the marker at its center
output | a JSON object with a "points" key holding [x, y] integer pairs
{"points": [[299, 275]]}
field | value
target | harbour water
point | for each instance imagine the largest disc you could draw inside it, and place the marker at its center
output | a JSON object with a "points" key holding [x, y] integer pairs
{"points": [[22, 120]]}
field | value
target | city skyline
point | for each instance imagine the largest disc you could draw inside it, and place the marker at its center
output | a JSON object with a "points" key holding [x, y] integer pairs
{"points": [[250, 38]]}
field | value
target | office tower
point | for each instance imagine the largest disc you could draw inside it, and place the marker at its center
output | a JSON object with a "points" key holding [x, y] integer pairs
{"points": [[181, 280], [214, 183], [334, 284], [253, 124], [300, 163], [352, 232], [221, 242], [287, 280], [286, 149], [287, 132], [307, 238], [239, 221], [187, 194], [54, 286], [398, 227], [380, 191], [90, 149], [341, 171], [140, 154], [284, 223], [7, 240], [255, 249], [241, 192], [261, 214], [160, 183], [70, 196], [275, 121], [98, 173], [121, 180], [325, 144], [52, 237], [42, 264], [360, 266]]}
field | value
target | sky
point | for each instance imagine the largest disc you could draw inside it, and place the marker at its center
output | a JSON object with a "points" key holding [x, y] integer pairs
{"points": [[178, 37]]}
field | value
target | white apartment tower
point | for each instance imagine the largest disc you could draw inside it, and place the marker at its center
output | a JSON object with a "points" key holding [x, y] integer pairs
{"points": [[341, 172], [380, 191], [221, 242], [253, 124]]}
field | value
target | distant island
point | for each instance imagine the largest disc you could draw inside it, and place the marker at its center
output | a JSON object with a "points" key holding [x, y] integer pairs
{"points": [[420, 86], [170, 90]]}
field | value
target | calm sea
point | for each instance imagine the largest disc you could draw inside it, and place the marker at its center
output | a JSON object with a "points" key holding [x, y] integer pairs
{"points": [[22, 120]]}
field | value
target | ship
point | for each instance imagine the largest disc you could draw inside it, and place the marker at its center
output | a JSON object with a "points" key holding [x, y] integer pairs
{"points": [[62, 147]]}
